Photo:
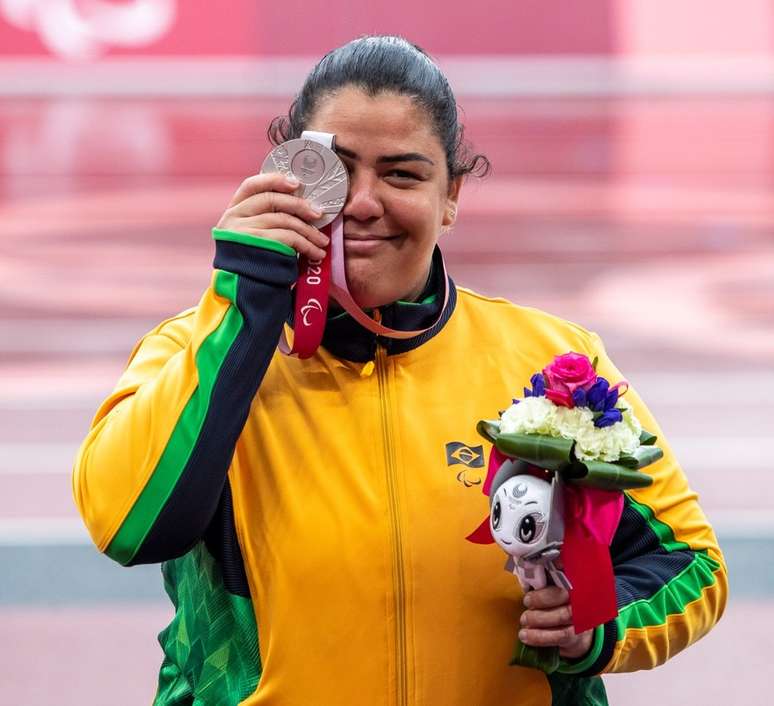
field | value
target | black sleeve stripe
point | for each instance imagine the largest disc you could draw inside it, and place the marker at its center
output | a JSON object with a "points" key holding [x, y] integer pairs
{"points": [[263, 298]]}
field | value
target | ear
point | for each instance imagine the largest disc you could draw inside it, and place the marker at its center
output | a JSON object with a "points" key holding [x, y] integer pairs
{"points": [[450, 212]]}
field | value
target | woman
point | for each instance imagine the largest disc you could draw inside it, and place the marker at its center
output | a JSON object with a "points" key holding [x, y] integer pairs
{"points": [[311, 528]]}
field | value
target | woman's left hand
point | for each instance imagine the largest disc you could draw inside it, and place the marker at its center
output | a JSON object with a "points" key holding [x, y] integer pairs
{"points": [[547, 622]]}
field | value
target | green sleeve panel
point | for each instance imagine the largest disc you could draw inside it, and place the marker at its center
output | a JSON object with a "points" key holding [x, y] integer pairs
{"points": [[211, 653], [683, 588]]}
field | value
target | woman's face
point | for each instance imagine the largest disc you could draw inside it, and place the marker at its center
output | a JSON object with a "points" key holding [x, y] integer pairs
{"points": [[400, 197]]}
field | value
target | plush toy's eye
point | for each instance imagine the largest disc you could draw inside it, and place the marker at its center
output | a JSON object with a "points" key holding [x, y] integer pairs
{"points": [[529, 527], [496, 514]]}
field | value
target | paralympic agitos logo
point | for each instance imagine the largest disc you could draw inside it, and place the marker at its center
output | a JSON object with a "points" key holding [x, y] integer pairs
{"points": [[459, 453], [306, 310]]}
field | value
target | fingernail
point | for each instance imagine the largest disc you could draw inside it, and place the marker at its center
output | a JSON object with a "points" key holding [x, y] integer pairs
{"points": [[528, 601], [292, 180], [523, 619], [522, 635]]}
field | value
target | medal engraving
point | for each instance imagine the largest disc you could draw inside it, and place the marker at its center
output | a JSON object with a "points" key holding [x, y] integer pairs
{"points": [[334, 177], [281, 160], [332, 206], [308, 166], [324, 179]]}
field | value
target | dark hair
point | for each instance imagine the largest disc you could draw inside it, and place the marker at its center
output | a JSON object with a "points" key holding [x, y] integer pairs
{"points": [[379, 64]]}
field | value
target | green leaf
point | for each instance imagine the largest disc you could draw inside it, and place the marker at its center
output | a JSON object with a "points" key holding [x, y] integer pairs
{"points": [[628, 461], [647, 439], [546, 659], [610, 476], [594, 363], [646, 455], [488, 428], [549, 452]]}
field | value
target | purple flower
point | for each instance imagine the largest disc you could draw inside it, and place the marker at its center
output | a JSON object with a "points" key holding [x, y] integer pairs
{"points": [[597, 395], [609, 418], [579, 397], [538, 386], [611, 399]]}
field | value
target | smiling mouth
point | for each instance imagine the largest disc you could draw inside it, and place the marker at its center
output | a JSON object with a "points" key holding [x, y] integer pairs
{"points": [[368, 238], [505, 541], [366, 245]]}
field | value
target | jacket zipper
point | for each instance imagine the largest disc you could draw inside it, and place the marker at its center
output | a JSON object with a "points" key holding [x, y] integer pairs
{"points": [[397, 541]]}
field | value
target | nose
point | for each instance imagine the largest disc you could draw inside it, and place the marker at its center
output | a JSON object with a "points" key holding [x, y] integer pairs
{"points": [[363, 201]]}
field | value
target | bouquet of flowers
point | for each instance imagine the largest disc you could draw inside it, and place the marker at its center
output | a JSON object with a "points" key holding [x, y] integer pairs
{"points": [[561, 456]]}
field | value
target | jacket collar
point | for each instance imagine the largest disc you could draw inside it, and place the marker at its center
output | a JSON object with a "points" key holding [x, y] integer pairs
{"points": [[347, 339]]}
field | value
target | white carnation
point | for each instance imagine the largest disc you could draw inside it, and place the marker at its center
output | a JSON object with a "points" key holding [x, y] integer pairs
{"points": [[608, 443], [533, 415], [629, 434], [569, 423], [631, 421], [590, 443]]}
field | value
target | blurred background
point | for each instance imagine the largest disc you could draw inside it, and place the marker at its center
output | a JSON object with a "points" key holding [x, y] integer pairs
{"points": [[633, 192]]}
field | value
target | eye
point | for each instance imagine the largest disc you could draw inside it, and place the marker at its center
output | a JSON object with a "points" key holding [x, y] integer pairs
{"points": [[530, 528], [496, 514], [401, 176]]}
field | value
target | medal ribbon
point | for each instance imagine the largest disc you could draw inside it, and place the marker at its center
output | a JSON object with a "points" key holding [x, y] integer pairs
{"points": [[311, 307]]}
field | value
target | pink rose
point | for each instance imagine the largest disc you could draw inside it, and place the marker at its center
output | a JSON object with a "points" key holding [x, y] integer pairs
{"points": [[566, 374]]}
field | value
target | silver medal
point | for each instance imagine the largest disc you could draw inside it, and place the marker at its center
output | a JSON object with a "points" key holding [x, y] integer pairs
{"points": [[323, 176]]}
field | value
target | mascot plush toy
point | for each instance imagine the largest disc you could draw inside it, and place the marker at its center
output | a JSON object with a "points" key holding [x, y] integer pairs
{"points": [[527, 520]]}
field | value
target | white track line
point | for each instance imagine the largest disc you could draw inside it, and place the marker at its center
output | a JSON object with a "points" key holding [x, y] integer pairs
{"points": [[71, 336], [482, 75], [37, 458], [728, 524], [43, 531]]}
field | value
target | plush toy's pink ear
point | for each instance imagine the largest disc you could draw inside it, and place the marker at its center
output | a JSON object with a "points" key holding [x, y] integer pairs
{"points": [[496, 459], [482, 534]]}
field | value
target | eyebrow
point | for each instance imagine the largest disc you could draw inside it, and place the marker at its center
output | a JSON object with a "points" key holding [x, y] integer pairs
{"points": [[388, 158]]}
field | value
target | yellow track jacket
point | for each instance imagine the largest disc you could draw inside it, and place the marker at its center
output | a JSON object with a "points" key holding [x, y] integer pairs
{"points": [[311, 514]]}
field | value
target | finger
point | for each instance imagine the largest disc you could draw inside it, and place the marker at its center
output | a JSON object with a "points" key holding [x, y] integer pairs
{"points": [[284, 221], [558, 637], [578, 647], [259, 183], [549, 597], [549, 618], [289, 237], [273, 202]]}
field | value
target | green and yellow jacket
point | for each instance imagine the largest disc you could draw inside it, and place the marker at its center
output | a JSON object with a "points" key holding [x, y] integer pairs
{"points": [[311, 515]]}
